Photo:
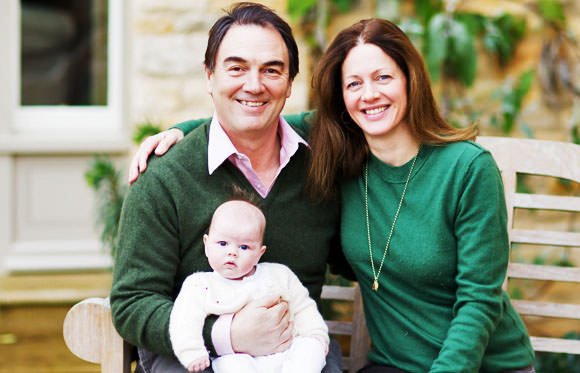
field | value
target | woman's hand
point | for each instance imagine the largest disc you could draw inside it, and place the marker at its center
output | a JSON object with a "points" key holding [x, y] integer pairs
{"points": [[159, 144]]}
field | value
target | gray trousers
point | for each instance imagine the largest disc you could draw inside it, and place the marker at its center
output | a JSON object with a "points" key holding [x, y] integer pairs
{"points": [[150, 362]]}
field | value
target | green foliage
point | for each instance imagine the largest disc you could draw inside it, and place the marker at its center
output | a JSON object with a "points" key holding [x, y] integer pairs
{"points": [[512, 97], [426, 9], [450, 49], [299, 8], [502, 34], [553, 12], [343, 6], [565, 363], [450, 41], [145, 130], [105, 180]]}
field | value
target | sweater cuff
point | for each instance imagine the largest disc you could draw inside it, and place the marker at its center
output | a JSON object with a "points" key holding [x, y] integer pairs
{"points": [[207, 328], [220, 335]]}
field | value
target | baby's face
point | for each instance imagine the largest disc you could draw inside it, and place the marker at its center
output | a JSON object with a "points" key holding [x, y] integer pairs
{"points": [[233, 245]]}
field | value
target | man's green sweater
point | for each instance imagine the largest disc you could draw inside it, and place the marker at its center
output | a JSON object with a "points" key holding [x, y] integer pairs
{"points": [[169, 208]]}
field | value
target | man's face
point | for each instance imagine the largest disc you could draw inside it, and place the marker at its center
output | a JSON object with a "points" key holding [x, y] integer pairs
{"points": [[250, 83]]}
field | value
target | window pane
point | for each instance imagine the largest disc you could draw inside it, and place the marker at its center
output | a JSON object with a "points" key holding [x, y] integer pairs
{"points": [[63, 52]]}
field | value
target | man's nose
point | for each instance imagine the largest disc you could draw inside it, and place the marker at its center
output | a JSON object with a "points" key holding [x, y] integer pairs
{"points": [[253, 82]]}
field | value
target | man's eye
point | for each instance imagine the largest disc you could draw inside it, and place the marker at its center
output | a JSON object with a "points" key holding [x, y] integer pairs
{"points": [[244, 247], [272, 71], [222, 243]]}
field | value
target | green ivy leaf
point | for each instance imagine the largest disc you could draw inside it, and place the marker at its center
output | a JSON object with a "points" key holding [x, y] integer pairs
{"points": [[425, 9], [575, 134], [462, 59], [510, 31], [145, 130], [524, 84], [343, 6], [299, 8], [437, 43], [552, 11]]}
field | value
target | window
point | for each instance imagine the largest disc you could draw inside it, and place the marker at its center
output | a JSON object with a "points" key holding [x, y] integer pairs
{"points": [[68, 66]]}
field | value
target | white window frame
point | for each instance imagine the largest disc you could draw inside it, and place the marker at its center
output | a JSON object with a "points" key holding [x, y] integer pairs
{"points": [[71, 120]]}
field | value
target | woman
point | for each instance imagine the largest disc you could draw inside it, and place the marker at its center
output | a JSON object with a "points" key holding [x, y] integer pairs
{"points": [[423, 211]]}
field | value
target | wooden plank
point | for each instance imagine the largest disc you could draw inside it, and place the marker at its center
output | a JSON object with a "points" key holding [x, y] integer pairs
{"points": [[565, 346], [543, 272], [339, 327], [338, 292], [545, 202], [89, 333], [544, 237], [547, 309]]}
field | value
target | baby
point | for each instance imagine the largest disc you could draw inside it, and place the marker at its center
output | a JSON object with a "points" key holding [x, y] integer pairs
{"points": [[233, 247]]}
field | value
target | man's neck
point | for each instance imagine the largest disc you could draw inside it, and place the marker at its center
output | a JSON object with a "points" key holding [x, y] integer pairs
{"points": [[263, 151]]}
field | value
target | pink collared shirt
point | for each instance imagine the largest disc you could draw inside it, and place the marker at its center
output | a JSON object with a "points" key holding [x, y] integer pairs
{"points": [[220, 148]]}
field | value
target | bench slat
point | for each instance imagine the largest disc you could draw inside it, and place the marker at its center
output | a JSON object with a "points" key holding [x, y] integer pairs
{"points": [[543, 272], [565, 346], [547, 309]]}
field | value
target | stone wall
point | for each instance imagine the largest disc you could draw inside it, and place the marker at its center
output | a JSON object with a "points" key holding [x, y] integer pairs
{"points": [[168, 40]]}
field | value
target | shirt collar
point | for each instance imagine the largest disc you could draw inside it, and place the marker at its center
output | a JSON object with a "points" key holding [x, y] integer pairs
{"points": [[220, 147]]}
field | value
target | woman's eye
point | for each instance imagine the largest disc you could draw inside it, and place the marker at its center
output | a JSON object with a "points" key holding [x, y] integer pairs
{"points": [[384, 77], [352, 85]]}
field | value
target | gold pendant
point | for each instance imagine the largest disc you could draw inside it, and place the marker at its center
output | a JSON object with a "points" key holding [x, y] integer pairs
{"points": [[375, 286]]}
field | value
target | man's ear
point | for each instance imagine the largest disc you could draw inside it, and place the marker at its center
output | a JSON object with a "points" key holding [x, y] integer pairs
{"points": [[209, 80]]}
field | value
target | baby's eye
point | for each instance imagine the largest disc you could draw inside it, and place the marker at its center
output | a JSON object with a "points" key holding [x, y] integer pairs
{"points": [[222, 243], [244, 247]]}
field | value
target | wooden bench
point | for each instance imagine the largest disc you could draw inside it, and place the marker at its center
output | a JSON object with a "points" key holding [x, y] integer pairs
{"points": [[90, 335], [89, 332]]}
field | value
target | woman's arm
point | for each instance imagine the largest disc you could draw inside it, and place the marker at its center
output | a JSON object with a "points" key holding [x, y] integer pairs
{"points": [[160, 144], [482, 259]]}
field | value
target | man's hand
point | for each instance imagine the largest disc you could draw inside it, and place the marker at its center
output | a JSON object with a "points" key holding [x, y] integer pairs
{"points": [[159, 144], [262, 327]]}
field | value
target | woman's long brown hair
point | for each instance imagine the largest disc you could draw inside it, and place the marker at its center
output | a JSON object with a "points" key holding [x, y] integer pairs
{"points": [[339, 148]]}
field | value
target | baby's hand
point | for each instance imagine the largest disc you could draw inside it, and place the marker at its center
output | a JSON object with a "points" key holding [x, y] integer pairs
{"points": [[198, 364]]}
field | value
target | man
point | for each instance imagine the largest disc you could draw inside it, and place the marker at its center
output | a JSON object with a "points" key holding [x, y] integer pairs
{"points": [[250, 62]]}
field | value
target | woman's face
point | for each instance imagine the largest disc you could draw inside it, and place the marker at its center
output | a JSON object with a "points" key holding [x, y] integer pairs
{"points": [[374, 91]]}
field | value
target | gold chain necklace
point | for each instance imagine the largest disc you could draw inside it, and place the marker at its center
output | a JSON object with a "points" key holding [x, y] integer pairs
{"points": [[376, 274]]}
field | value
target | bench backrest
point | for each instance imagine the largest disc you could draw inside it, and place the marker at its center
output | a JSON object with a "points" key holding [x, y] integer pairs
{"points": [[89, 332], [546, 159]]}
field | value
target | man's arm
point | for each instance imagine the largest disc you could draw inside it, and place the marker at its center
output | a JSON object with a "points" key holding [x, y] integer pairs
{"points": [[145, 266]]}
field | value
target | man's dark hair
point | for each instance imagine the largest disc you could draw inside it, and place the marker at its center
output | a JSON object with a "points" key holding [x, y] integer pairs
{"points": [[247, 13]]}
